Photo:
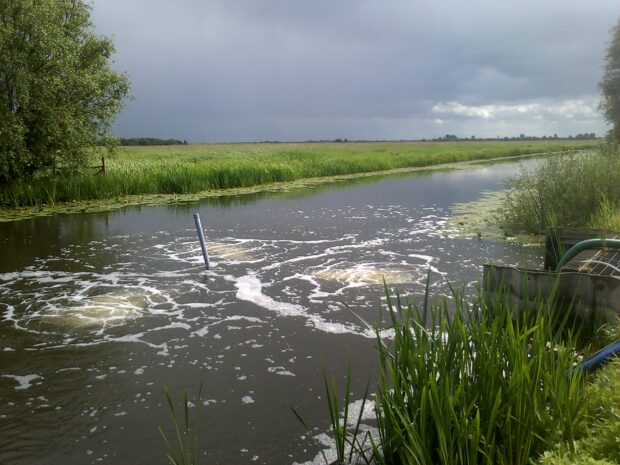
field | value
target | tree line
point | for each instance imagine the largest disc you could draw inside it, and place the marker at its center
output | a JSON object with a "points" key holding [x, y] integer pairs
{"points": [[150, 141], [520, 137]]}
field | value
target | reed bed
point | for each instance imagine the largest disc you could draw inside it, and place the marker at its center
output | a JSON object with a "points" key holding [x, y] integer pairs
{"points": [[196, 168], [467, 382]]}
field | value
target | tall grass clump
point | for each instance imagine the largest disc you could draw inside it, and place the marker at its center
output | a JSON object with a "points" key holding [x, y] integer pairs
{"points": [[351, 443], [572, 190], [474, 384], [607, 217], [183, 449]]}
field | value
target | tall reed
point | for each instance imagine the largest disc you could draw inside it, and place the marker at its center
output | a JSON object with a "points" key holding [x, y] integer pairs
{"points": [[185, 450], [350, 442], [474, 384]]}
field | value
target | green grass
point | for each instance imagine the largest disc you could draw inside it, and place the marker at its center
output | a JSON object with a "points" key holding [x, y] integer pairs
{"points": [[183, 449], [572, 190], [607, 217], [475, 386], [136, 171]]}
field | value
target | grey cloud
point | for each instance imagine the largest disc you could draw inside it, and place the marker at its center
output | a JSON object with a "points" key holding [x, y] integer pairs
{"points": [[274, 69]]}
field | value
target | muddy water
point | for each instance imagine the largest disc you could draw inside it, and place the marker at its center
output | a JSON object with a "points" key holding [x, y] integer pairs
{"points": [[99, 311]]}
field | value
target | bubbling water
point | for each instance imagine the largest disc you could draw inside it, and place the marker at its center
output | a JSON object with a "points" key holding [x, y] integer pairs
{"points": [[153, 284]]}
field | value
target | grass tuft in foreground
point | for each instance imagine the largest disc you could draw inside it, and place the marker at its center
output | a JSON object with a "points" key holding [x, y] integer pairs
{"points": [[185, 450]]}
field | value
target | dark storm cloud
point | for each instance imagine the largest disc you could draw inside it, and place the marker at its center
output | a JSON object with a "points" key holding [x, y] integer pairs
{"points": [[264, 69]]}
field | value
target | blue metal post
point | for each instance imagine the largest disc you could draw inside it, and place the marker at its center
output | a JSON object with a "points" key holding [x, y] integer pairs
{"points": [[201, 236]]}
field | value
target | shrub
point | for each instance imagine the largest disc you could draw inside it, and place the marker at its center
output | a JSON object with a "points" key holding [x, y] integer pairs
{"points": [[569, 190]]}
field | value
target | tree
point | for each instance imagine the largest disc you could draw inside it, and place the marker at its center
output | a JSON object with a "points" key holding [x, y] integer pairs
{"points": [[58, 94], [610, 85]]}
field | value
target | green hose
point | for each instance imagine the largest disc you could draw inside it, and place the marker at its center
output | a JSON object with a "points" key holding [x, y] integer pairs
{"points": [[585, 245]]}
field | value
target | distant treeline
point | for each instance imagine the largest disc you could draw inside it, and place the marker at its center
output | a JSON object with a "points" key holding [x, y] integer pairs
{"points": [[135, 141], [452, 137], [446, 138], [151, 141]]}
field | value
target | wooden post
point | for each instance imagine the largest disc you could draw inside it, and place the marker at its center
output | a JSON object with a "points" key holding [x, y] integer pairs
{"points": [[103, 170]]}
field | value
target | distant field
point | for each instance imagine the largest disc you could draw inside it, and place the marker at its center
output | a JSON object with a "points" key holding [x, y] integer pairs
{"points": [[188, 169]]}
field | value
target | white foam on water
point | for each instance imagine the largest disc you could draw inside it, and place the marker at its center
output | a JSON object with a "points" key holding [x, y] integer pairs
{"points": [[328, 252], [316, 294], [23, 382], [173, 325], [227, 250], [162, 349], [249, 288], [125, 301], [426, 258], [102, 310], [88, 308], [366, 274], [205, 329], [202, 332], [279, 370], [355, 408], [9, 276], [244, 318]]}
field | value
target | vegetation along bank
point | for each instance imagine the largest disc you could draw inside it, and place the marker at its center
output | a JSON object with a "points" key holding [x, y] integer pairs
{"points": [[576, 190], [190, 169]]}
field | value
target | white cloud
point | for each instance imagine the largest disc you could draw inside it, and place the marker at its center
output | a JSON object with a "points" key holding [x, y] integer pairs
{"points": [[540, 110]]}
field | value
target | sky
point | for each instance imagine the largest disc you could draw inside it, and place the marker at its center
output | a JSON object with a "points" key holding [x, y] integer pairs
{"points": [[295, 70]]}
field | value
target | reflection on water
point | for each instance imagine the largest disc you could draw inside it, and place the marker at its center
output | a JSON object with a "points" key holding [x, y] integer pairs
{"points": [[99, 311]]}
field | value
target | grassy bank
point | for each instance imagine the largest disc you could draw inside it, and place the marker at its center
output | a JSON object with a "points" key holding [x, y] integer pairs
{"points": [[574, 190], [138, 171]]}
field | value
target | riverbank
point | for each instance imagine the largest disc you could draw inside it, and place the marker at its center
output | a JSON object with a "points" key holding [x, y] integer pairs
{"points": [[164, 175]]}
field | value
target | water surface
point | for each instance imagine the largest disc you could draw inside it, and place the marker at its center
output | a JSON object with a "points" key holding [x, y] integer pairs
{"points": [[99, 311]]}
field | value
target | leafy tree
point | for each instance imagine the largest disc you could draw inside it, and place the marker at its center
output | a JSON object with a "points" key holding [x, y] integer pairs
{"points": [[610, 85], [58, 94]]}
